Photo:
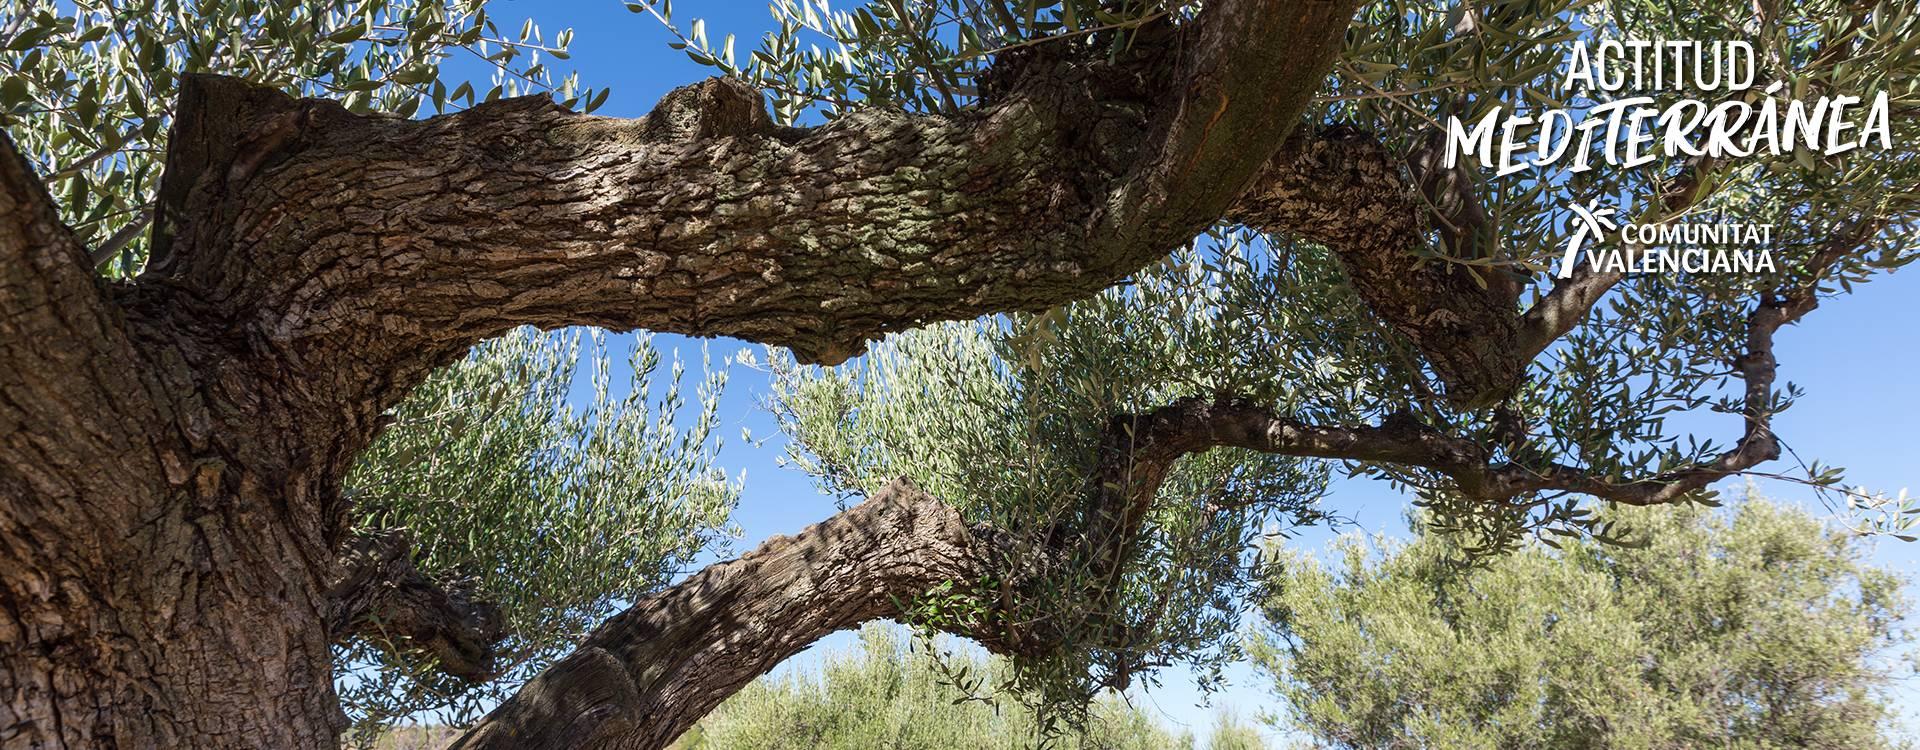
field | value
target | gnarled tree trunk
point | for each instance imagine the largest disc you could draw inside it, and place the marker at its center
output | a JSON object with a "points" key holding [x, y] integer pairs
{"points": [[163, 548]]}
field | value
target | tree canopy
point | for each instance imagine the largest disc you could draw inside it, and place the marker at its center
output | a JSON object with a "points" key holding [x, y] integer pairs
{"points": [[1753, 626]]}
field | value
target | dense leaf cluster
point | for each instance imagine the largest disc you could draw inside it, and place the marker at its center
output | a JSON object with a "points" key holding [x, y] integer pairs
{"points": [[556, 504], [1751, 627], [1005, 421]]}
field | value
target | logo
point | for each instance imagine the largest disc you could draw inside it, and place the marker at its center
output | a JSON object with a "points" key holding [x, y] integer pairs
{"points": [[1593, 221], [1663, 247]]}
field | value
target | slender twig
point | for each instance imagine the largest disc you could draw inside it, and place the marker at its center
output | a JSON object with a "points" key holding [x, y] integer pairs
{"points": [[494, 40], [1134, 23], [1347, 70], [119, 240], [920, 54], [77, 165]]}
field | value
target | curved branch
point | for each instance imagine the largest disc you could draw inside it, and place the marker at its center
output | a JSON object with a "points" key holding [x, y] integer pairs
{"points": [[364, 250], [382, 597], [647, 674], [1140, 449], [1195, 424]]}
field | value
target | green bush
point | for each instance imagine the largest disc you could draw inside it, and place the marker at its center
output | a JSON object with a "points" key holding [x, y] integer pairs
{"points": [[1752, 627], [894, 692]]}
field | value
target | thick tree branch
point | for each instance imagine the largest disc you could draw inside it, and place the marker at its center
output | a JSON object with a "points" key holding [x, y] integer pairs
{"points": [[382, 597], [649, 673], [320, 232], [1342, 188]]}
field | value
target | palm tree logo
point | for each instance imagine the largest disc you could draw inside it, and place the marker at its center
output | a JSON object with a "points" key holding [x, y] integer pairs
{"points": [[1592, 220]]}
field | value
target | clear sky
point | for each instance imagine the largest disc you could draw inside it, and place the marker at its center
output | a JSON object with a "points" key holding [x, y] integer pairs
{"points": [[1856, 356]]}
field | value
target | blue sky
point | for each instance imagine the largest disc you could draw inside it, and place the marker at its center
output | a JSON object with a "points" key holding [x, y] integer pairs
{"points": [[1857, 356]]}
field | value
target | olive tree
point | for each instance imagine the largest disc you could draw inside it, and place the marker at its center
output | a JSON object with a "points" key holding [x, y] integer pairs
{"points": [[521, 516], [178, 444], [1749, 627]]}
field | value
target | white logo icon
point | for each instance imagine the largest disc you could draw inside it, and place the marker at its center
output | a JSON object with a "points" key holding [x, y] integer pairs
{"points": [[1593, 220]]}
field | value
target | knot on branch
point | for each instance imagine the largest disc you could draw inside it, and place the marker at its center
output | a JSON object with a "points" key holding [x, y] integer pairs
{"points": [[383, 597], [824, 343], [713, 108]]}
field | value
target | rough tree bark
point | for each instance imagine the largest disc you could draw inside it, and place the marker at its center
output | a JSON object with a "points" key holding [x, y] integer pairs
{"points": [[649, 673], [379, 594], [161, 560], [174, 553]]}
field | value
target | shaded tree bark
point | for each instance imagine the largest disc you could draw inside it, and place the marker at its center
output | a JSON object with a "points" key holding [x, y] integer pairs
{"points": [[161, 558], [649, 673], [381, 596]]}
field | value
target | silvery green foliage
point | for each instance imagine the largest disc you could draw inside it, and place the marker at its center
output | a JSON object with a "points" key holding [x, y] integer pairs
{"points": [[558, 514], [1752, 626], [87, 88], [1660, 345], [1003, 420], [916, 55], [893, 690]]}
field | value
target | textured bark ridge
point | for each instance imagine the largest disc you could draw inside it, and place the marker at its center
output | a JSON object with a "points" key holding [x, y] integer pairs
{"points": [[1344, 189], [406, 241], [381, 596], [160, 540], [648, 674]]}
